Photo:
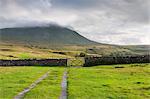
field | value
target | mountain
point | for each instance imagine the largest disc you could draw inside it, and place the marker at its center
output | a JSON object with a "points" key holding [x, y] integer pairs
{"points": [[50, 35], [58, 38]]}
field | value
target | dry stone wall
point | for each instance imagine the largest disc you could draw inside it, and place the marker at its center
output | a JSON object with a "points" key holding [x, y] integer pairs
{"points": [[92, 61], [33, 62]]}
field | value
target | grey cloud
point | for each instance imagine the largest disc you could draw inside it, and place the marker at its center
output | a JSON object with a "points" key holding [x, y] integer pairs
{"points": [[8, 23], [131, 10], [27, 3], [77, 4], [131, 40], [105, 19], [32, 4], [135, 11], [12, 7]]}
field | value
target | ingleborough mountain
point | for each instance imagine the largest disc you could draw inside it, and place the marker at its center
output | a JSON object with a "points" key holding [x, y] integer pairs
{"points": [[46, 35]]}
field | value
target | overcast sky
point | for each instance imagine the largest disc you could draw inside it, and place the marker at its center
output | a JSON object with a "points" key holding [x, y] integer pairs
{"points": [[105, 21]]}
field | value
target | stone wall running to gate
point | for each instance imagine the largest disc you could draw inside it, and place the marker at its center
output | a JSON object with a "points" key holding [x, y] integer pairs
{"points": [[33, 62], [92, 61]]}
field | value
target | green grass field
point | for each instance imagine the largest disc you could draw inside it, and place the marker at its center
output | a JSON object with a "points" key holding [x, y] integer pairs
{"points": [[16, 79], [99, 82], [49, 88], [108, 82]]}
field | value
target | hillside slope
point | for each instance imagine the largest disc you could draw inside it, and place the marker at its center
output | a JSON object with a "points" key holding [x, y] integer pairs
{"points": [[61, 39], [52, 35]]}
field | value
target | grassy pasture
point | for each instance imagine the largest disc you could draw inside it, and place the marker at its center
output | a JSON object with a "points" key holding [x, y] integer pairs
{"points": [[129, 81], [26, 52], [108, 82], [49, 88], [15, 79]]}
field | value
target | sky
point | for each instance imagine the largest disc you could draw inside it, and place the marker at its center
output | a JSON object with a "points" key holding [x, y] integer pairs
{"points": [[121, 22]]}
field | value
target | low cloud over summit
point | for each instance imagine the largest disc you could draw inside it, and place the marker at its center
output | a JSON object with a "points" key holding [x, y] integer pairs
{"points": [[105, 21]]}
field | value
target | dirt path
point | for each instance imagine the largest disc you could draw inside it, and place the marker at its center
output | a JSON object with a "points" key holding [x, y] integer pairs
{"points": [[22, 94], [64, 86]]}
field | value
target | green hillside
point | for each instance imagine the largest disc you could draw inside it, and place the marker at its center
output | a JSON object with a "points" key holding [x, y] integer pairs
{"points": [[57, 42], [43, 36]]}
